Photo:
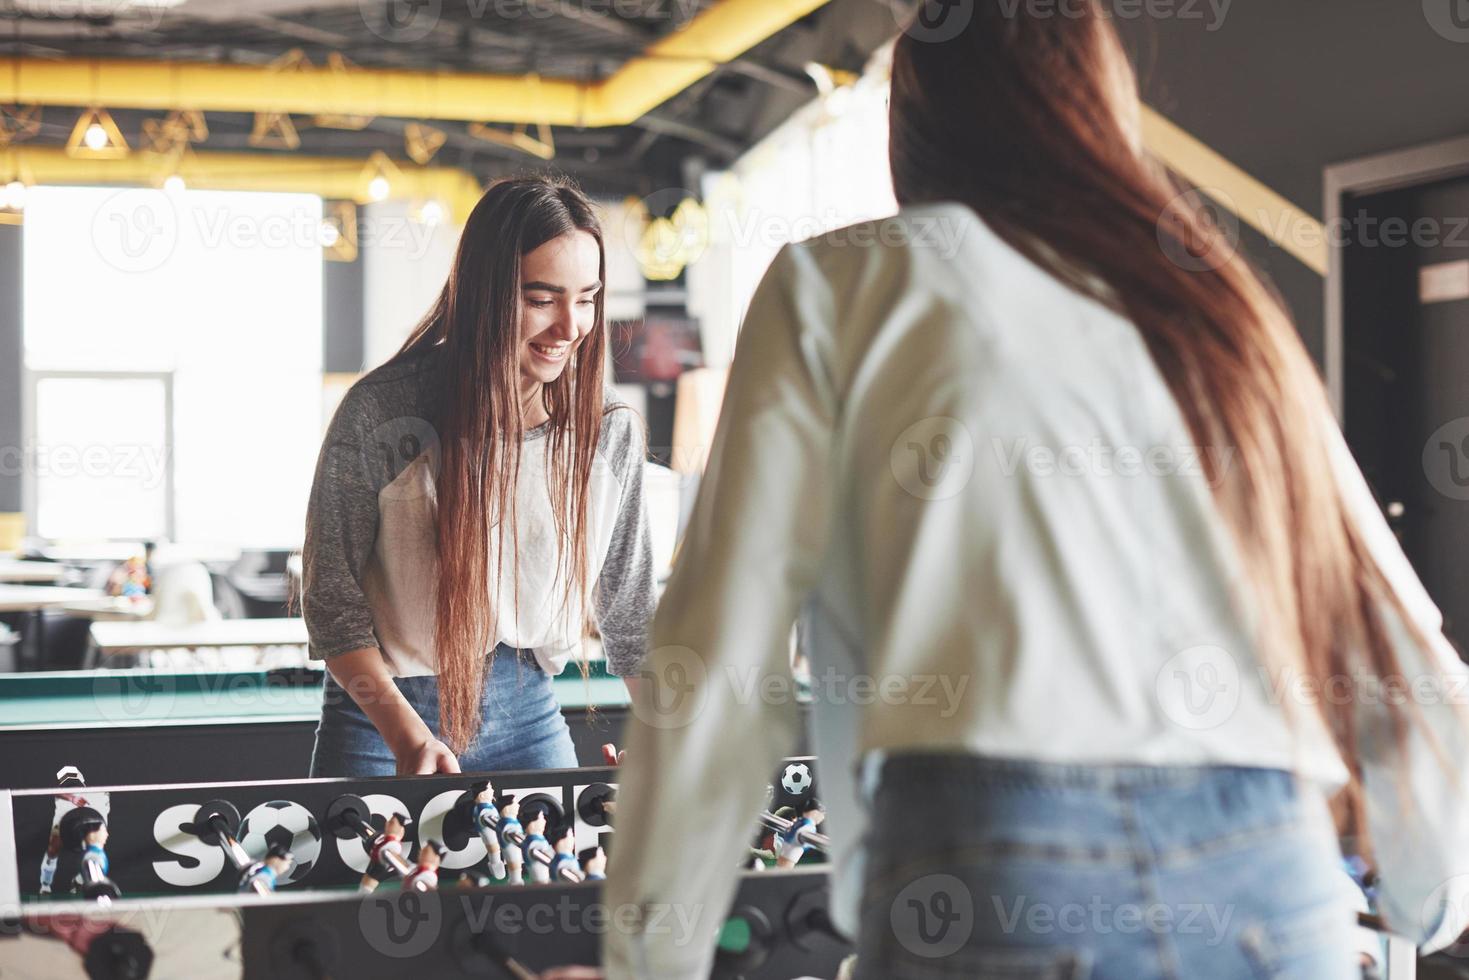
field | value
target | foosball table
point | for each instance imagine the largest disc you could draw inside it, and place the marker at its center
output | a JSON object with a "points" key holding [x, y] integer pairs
{"points": [[493, 875]]}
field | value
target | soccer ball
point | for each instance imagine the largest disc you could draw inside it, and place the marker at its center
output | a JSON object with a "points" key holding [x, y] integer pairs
{"points": [[796, 779], [288, 824]]}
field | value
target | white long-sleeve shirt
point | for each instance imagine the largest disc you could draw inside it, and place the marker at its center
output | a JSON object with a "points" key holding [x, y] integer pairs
{"points": [[978, 486]]}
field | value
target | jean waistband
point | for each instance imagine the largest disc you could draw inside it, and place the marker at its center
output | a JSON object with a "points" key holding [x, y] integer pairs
{"points": [[961, 770]]}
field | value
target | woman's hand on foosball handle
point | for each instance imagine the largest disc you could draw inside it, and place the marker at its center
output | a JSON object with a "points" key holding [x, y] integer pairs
{"points": [[428, 757]]}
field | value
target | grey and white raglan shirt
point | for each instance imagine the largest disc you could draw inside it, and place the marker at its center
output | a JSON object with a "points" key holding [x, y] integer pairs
{"points": [[369, 562]]}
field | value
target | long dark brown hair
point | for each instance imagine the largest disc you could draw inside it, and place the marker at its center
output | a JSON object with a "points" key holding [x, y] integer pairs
{"points": [[474, 331], [1032, 122]]}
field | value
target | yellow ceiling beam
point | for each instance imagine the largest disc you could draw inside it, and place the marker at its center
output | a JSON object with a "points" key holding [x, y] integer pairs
{"points": [[1269, 213], [718, 35], [331, 177]]}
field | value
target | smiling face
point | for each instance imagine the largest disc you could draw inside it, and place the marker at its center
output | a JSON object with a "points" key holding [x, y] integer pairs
{"points": [[559, 283]]}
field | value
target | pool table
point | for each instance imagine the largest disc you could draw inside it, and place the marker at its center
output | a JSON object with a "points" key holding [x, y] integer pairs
{"points": [[124, 727]]}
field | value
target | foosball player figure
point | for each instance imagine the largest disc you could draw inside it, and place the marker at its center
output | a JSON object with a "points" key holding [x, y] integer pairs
{"points": [[487, 820], [425, 877], [262, 876], [789, 847], [389, 841], [512, 835], [537, 849], [594, 864], [563, 864], [92, 880]]}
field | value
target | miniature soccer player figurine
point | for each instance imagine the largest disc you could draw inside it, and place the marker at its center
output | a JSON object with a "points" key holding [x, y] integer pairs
{"points": [[594, 864], [262, 876], [537, 850], [563, 865], [511, 836], [789, 847], [487, 819], [425, 877], [92, 880], [390, 840]]}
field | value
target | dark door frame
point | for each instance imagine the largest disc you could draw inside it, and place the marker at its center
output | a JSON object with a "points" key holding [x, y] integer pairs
{"points": [[1381, 172]]}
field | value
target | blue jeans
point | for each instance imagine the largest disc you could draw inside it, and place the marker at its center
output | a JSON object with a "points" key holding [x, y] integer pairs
{"points": [[521, 726], [1008, 869]]}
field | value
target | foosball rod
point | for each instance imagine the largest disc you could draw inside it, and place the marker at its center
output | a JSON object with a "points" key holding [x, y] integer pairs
{"points": [[808, 837], [215, 823]]}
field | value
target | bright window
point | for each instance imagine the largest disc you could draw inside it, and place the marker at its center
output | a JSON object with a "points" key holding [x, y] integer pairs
{"points": [[220, 292]]}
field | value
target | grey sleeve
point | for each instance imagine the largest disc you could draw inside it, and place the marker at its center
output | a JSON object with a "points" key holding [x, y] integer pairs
{"points": [[341, 529], [625, 587]]}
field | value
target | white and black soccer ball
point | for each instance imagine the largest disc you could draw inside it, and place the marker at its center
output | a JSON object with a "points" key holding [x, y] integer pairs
{"points": [[287, 824], [796, 779]]}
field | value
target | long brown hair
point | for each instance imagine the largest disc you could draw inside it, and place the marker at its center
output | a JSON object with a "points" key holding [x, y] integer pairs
{"points": [[474, 328], [1030, 121]]}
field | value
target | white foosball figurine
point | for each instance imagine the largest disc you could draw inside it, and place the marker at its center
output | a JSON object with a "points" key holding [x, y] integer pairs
{"points": [[564, 866], [511, 836], [425, 877], [789, 848], [537, 849], [487, 820]]}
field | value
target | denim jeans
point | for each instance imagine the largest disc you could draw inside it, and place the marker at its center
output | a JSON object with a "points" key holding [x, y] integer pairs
{"points": [[999, 869], [521, 726]]}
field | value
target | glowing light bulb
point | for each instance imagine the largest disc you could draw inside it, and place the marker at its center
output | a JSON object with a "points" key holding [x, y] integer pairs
{"points": [[431, 213], [14, 196], [174, 184], [379, 188], [329, 234], [96, 137]]}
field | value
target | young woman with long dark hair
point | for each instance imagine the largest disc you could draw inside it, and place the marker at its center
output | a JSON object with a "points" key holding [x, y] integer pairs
{"points": [[478, 497], [1077, 539]]}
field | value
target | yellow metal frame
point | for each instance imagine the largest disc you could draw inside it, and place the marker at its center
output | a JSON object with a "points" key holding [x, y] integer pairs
{"points": [[716, 36], [331, 177]]}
